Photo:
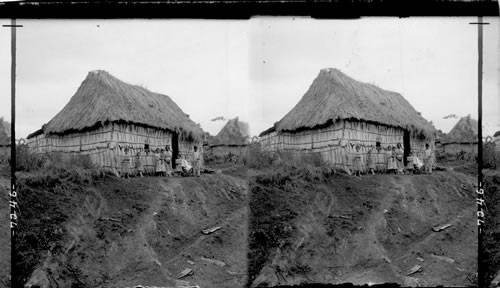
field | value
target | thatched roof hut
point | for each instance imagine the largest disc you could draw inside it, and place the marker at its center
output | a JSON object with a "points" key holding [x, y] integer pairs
{"points": [[335, 96], [339, 113], [103, 98], [230, 144], [464, 132], [235, 132], [107, 115]]}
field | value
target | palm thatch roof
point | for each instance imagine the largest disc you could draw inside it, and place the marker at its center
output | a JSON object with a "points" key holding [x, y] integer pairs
{"points": [[103, 98], [465, 131], [235, 132], [335, 96], [4, 132]]}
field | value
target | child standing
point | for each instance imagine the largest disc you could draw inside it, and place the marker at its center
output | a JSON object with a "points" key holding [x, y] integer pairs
{"points": [[410, 166], [394, 165], [157, 161], [371, 160], [197, 162], [138, 164], [168, 161], [428, 159], [126, 164], [357, 162], [163, 168], [399, 159], [388, 159]]}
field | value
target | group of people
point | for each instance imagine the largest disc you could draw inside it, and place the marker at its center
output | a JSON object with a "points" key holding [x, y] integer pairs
{"points": [[162, 163], [394, 160]]}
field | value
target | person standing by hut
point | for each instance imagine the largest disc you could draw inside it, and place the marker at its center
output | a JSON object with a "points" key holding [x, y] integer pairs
{"points": [[168, 161], [345, 156], [399, 159], [371, 160], [162, 161], [428, 159], [410, 163], [150, 168], [388, 159], [197, 162], [394, 165], [157, 161], [139, 165], [357, 161], [126, 164]]}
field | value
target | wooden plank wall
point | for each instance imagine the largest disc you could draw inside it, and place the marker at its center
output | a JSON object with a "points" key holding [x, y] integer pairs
{"points": [[327, 142], [105, 145]]}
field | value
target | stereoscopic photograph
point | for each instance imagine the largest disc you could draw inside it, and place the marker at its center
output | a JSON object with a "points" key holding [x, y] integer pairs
{"points": [[274, 151]]}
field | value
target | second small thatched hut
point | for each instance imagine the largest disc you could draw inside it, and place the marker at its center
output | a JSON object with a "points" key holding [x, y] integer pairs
{"points": [[232, 139], [463, 138]]}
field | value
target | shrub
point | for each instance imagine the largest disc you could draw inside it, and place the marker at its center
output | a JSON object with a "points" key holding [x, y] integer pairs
{"points": [[60, 161], [27, 161], [490, 156], [256, 158], [209, 158]]}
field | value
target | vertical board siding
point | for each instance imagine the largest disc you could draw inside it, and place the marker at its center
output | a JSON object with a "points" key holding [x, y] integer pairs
{"points": [[105, 145], [327, 142]]}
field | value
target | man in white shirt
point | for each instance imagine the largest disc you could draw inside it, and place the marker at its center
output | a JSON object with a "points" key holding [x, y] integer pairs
{"points": [[428, 159], [197, 162]]}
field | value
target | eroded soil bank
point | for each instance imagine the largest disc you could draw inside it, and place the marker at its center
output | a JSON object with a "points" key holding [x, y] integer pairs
{"points": [[306, 228], [86, 231]]}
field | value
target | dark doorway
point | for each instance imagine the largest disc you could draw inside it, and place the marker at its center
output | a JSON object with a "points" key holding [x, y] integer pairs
{"points": [[175, 148], [406, 145]]}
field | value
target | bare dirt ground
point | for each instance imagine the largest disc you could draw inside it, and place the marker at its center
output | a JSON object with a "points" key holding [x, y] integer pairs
{"points": [[491, 238], [143, 231], [4, 226], [293, 227], [341, 229]]}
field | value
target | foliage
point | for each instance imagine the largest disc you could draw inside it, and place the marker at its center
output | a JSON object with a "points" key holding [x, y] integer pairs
{"points": [[44, 198], [77, 168], [47, 189], [220, 159], [310, 167], [490, 156], [27, 161], [491, 238], [258, 159], [279, 187]]}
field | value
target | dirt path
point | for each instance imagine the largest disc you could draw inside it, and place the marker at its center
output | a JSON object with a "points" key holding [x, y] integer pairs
{"points": [[375, 229], [426, 243], [171, 230], [231, 270], [370, 239]]}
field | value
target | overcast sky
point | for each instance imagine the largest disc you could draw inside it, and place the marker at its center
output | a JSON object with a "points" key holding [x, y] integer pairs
{"points": [[256, 69]]}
